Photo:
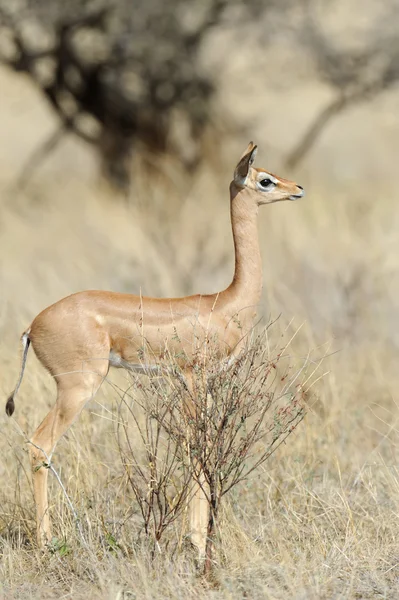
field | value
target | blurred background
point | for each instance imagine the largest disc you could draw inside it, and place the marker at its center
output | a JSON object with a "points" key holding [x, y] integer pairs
{"points": [[121, 126], [121, 123]]}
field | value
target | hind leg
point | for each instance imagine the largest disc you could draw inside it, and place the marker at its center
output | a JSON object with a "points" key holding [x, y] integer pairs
{"points": [[73, 392]]}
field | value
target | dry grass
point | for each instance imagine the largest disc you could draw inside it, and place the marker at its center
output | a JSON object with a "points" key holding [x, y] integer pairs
{"points": [[321, 519]]}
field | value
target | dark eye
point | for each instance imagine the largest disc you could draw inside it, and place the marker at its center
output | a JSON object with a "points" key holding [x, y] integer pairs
{"points": [[265, 183]]}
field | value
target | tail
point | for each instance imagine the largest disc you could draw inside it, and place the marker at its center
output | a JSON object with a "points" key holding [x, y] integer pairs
{"points": [[10, 405]]}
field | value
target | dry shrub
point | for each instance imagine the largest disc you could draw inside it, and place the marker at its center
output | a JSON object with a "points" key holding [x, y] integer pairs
{"points": [[215, 431]]}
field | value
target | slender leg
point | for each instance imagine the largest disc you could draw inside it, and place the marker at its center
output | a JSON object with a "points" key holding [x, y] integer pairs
{"points": [[198, 502], [39, 458], [198, 514], [72, 395]]}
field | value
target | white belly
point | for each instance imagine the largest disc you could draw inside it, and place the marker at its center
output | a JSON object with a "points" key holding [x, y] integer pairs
{"points": [[115, 360]]}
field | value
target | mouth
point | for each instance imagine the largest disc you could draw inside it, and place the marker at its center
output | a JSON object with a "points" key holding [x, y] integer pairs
{"points": [[297, 196]]}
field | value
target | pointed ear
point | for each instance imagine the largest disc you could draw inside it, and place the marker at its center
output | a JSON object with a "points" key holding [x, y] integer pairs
{"points": [[246, 160]]}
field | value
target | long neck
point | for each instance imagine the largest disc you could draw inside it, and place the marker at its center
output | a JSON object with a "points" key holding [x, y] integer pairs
{"points": [[247, 281]]}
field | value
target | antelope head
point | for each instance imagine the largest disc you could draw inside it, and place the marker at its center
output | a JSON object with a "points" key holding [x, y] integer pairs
{"points": [[267, 187]]}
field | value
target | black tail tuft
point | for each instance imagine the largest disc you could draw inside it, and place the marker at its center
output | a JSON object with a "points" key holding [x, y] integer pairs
{"points": [[10, 406]]}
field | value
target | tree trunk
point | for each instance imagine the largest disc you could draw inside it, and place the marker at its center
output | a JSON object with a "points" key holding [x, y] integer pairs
{"points": [[315, 129]]}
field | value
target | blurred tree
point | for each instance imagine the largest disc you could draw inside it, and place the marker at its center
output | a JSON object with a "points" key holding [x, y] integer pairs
{"points": [[127, 73], [357, 68], [117, 73]]}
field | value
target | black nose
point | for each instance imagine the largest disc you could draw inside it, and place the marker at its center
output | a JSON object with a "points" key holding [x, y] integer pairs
{"points": [[300, 187]]}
